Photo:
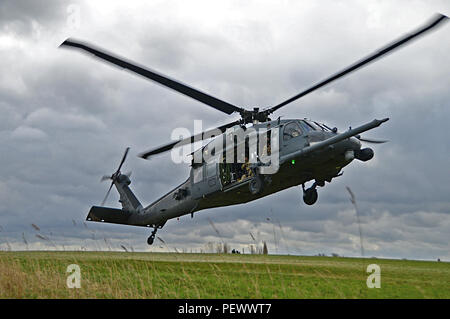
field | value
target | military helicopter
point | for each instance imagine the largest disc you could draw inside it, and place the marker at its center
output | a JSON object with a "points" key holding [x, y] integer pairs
{"points": [[231, 170]]}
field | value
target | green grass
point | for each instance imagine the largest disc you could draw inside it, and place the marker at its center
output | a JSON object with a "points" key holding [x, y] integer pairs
{"points": [[164, 275]]}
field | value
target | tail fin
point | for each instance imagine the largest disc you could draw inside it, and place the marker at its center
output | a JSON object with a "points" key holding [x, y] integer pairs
{"points": [[128, 200], [130, 204]]}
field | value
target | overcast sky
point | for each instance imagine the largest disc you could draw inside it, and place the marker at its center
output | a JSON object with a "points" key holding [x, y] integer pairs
{"points": [[67, 118]]}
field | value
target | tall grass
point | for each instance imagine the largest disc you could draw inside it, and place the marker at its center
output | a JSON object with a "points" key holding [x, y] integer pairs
{"points": [[163, 275]]}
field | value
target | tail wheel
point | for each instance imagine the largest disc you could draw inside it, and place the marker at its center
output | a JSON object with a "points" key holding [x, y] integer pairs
{"points": [[152, 236]]}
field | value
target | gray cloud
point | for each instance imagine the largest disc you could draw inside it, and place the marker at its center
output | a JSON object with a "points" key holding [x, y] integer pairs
{"points": [[28, 18]]}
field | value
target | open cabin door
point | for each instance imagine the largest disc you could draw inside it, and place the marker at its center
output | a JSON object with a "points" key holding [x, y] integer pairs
{"points": [[235, 167]]}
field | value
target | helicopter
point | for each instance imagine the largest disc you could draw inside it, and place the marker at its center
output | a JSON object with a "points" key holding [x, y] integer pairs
{"points": [[246, 159]]}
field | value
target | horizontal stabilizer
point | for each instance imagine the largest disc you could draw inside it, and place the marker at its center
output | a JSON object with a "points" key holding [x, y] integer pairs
{"points": [[108, 215]]}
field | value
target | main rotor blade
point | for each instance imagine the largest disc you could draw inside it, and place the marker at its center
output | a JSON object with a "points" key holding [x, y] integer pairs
{"points": [[107, 194], [154, 76], [434, 22], [188, 140], [368, 140]]}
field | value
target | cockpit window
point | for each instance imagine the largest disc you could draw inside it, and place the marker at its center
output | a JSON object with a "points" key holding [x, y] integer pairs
{"points": [[291, 130], [198, 174], [306, 127], [327, 127], [314, 125], [321, 126]]}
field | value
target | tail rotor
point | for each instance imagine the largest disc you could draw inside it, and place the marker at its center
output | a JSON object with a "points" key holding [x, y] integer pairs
{"points": [[114, 176]]}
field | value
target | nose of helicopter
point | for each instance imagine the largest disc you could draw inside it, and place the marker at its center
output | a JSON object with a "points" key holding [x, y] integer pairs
{"points": [[349, 144], [352, 147], [354, 143]]}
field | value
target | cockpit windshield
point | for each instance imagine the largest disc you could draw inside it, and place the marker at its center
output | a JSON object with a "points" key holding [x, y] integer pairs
{"points": [[322, 127], [316, 126], [327, 127], [312, 125]]}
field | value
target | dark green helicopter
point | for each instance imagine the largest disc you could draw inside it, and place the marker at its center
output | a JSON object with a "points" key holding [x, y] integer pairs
{"points": [[246, 159]]}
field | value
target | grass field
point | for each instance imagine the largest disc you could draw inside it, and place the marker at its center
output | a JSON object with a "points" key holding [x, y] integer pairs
{"points": [[167, 275]]}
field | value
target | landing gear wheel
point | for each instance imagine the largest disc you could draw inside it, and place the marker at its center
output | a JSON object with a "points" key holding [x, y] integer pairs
{"points": [[256, 185], [152, 236], [310, 196]]}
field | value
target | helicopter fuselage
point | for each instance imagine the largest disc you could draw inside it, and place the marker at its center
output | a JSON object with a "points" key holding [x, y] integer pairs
{"points": [[209, 187]]}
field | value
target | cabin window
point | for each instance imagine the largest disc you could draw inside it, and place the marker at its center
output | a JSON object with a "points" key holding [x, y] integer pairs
{"points": [[291, 130], [211, 169], [198, 174]]}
